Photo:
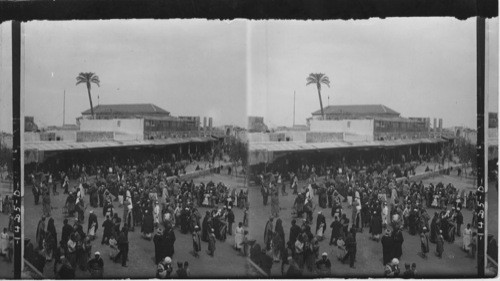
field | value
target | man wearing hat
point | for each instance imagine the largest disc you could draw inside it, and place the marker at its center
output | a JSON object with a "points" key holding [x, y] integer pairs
{"points": [[324, 265], [164, 268], [96, 266], [392, 268]]}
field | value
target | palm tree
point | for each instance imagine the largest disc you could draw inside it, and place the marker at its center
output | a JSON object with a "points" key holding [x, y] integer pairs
{"points": [[88, 78], [318, 79]]}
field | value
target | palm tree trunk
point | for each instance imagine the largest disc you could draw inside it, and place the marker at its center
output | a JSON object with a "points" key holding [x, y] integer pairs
{"points": [[90, 100], [321, 103]]}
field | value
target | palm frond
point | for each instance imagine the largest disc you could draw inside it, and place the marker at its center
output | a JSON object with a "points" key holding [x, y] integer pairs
{"points": [[325, 80], [95, 79]]}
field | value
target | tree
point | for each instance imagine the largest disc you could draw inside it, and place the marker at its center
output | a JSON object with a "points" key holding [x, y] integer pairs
{"points": [[318, 79], [88, 78]]}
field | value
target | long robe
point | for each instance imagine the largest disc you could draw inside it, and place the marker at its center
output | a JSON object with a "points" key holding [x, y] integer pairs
{"points": [[211, 243], [238, 237], [196, 242], [434, 230], [466, 239], [158, 241], [40, 233], [147, 225], [4, 243], [398, 244], [424, 242], [440, 244], [268, 234], [387, 248], [204, 229], [92, 224], [320, 222]]}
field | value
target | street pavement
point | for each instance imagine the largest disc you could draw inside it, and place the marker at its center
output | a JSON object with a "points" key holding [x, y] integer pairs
{"points": [[369, 253], [225, 263]]}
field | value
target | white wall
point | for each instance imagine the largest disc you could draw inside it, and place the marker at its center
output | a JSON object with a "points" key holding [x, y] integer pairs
{"points": [[65, 135], [363, 127], [126, 126], [31, 136], [258, 137]]}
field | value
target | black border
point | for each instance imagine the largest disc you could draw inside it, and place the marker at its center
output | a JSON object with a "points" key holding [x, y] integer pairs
{"points": [[16, 145], [231, 9], [24, 10]]}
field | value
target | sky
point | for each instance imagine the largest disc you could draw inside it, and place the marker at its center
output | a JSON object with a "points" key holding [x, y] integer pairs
{"points": [[189, 68], [420, 67]]}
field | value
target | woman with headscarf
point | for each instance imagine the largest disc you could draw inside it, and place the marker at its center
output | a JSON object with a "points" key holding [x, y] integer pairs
{"points": [[196, 241], [434, 228], [268, 233], [211, 243], [205, 227], [440, 244], [278, 241], [46, 204], [40, 232], [51, 239], [275, 203]]}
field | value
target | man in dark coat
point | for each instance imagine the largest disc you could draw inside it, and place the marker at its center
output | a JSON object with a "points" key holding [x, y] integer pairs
{"points": [[159, 250], [66, 231], [387, 247], [336, 227], [108, 230], [398, 239], [123, 247], [320, 220], [205, 227], [294, 232], [460, 220], [265, 194], [185, 220], [230, 221], [169, 242], [36, 193], [412, 222], [92, 219], [350, 243], [434, 228]]}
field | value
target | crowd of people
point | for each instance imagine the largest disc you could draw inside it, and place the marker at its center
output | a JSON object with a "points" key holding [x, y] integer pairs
{"points": [[377, 200], [149, 199]]}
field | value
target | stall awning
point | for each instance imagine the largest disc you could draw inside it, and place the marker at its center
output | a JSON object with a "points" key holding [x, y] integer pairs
{"points": [[65, 146]]}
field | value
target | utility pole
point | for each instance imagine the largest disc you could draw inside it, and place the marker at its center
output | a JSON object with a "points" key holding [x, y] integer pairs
{"points": [[64, 108], [294, 108]]}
